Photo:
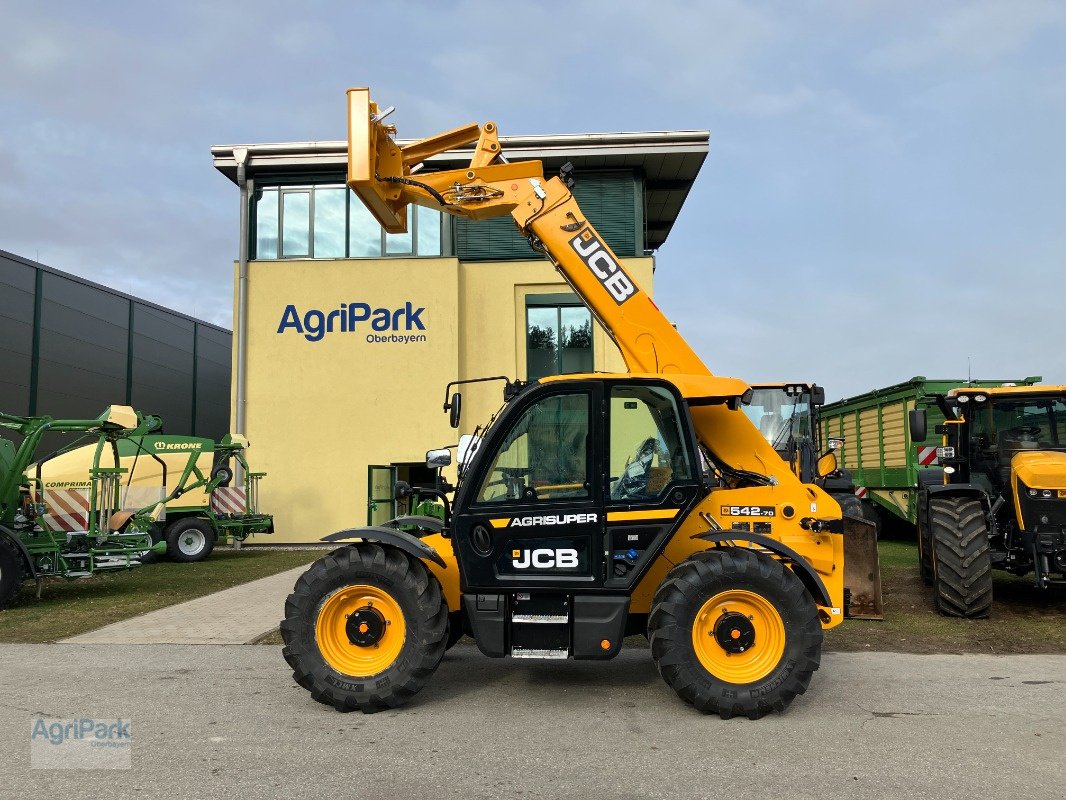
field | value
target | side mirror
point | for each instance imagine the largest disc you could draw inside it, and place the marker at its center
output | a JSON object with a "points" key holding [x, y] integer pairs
{"points": [[466, 448], [455, 408], [439, 458], [917, 424], [401, 490], [836, 443], [817, 395], [827, 464]]}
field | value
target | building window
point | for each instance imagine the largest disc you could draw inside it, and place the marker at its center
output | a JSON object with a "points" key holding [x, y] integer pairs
{"points": [[558, 336], [330, 221]]}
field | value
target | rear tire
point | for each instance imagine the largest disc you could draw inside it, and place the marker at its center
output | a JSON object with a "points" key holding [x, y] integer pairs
{"points": [[373, 676], [962, 564], [691, 627], [190, 540], [925, 542], [155, 533], [11, 573]]}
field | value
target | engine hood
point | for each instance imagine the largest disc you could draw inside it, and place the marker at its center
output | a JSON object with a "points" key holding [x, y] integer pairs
{"points": [[1040, 469]]}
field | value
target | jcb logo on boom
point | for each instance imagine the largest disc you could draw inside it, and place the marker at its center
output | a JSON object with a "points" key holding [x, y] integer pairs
{"points": [[602, 264], [544, 558]]}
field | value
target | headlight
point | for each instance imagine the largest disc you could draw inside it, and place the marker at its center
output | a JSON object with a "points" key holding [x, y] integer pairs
{"points": [[1047, 493], [1033, 492]]}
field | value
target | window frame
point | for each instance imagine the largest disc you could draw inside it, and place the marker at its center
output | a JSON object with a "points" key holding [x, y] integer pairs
{"points": [[489, 450], [290, 184], [687, 434], [558, 302]]}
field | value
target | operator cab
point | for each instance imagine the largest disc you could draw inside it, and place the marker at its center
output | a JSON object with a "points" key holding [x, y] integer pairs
{"points": [[565, 503]]}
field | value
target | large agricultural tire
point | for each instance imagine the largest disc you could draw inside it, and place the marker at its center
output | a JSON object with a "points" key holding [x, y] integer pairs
{"points": [[852, 506], [11, 573], [849, 504], [190, 539], [925, 542], [734, 633], [869, 512], [962, 563], [155, 533], [365, 628]]}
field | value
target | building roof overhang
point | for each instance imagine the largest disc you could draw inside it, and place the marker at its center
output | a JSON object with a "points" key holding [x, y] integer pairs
{"points": [[669, 162]]}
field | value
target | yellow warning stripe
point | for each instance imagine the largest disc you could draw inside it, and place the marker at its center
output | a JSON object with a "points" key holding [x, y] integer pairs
{"points": [[500, 523], [631, 516]]}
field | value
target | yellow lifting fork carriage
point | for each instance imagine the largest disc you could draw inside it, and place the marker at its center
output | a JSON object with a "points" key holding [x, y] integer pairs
{"points": [[593, 507]]}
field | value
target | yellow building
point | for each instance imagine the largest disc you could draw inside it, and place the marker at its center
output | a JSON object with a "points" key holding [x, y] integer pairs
{"points": [[346, 337]]}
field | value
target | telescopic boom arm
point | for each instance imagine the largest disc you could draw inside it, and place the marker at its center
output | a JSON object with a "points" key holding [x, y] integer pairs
{"points": [[381, 172]]}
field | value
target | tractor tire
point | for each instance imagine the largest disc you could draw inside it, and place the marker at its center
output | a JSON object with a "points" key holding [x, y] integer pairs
{"points": [[365, 628], [868, 511], [962, 564], [190, 540], [852, 506], [760, 665], [156, 533], [925, 543], [849, 504], [11, 573]]}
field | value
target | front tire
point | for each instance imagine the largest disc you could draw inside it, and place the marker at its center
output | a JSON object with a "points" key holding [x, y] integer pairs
{"points": [[365, 628], [735, 632], [190, 540], [155, 533], [962, 561]]}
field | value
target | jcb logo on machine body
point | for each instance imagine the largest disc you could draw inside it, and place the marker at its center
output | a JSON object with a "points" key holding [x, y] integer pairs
{"points": [[545, 558], [603, 265]]}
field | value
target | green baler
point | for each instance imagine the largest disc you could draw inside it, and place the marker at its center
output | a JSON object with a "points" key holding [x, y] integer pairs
{"points": [[886, 465]]}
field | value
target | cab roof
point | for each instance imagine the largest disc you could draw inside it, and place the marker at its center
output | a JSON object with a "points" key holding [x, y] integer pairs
{"points": [[696, 389]]}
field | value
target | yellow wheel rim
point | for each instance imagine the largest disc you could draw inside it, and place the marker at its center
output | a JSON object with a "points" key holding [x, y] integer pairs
{"points": [[360, 630], [728, 622]]}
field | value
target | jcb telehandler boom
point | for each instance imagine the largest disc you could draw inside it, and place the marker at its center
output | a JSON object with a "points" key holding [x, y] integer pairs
{"points": [[594, 506]]}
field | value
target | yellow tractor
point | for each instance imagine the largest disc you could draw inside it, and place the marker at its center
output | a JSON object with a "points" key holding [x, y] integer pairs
{"points": [[1001, 502], [592, 507]]}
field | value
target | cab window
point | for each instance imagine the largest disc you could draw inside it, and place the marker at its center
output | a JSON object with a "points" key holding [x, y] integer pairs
{"points": [[647, 446], [544, 456]]}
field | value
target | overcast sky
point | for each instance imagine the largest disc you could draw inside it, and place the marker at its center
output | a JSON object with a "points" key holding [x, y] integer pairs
{"points": [[883, 196]]}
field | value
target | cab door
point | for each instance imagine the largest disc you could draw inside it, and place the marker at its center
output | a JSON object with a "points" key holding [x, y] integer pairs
{"points": [[652, 477], [532, 515]]}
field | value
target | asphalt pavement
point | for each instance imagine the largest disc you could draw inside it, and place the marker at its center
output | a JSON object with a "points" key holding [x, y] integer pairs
{"points": [[228, 722]]}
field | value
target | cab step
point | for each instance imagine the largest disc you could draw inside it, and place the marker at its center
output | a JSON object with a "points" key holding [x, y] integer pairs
{"points": [[525, 652], [541, 619]]}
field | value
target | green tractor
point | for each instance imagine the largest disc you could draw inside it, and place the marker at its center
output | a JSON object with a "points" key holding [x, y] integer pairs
{"points": [[89, 532]]}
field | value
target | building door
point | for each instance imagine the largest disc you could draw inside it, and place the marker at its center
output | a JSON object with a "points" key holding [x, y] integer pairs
{"points": [[381, 503]]}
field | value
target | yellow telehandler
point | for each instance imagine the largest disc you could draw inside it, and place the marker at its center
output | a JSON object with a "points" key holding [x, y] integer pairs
{"points": [[594, 506]]}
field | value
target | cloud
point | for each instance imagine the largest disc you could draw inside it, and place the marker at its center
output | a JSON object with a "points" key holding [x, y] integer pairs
{"points": [[968, 34], [872, 164]]}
